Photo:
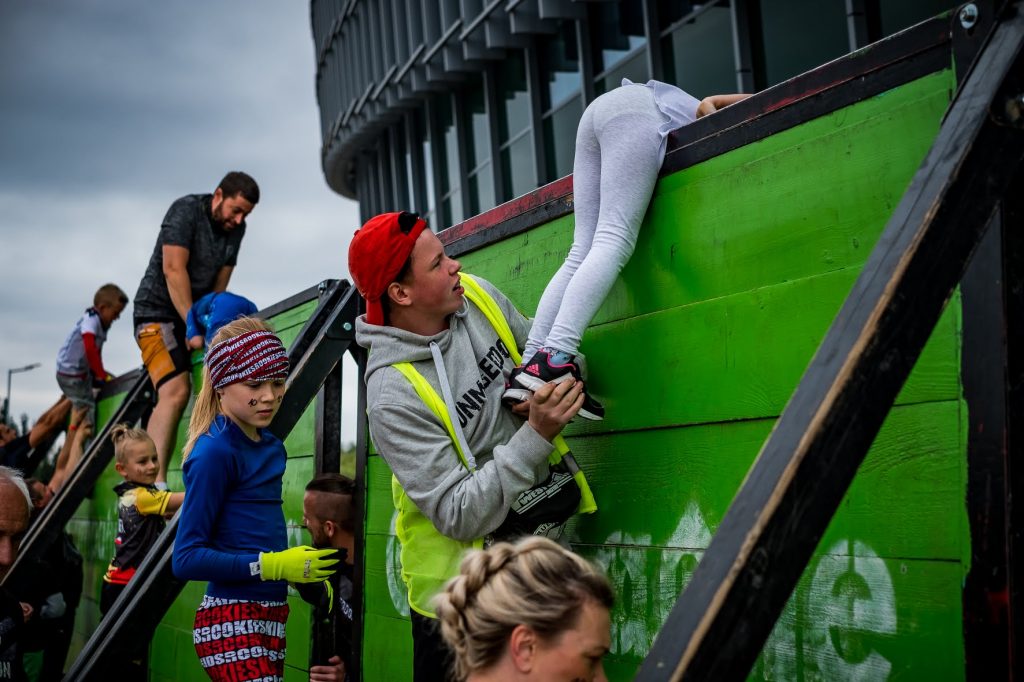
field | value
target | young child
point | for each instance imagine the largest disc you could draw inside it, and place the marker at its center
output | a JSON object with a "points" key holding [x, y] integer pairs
{"points": [[79, 362], [231, 530], [140, 520], [213, 311], [140, 508], [620, 145]]}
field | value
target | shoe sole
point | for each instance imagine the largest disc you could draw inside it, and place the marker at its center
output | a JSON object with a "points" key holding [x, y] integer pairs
{"points": [[533, 383]]}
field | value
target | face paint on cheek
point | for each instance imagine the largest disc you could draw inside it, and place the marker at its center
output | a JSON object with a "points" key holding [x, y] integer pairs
{"points": [[252, 403]]}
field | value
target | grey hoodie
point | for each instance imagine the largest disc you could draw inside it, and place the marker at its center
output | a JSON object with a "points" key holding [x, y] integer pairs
{"points": [[510, 456]]}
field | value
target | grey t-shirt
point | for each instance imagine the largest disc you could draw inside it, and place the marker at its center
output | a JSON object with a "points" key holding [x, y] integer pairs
{"points": [[188, 223]]}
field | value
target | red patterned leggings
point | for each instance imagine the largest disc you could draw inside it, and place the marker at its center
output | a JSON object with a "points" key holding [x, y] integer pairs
{"points": [[241, 641]]}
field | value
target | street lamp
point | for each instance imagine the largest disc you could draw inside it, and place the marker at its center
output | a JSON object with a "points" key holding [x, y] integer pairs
{"points": [[7, 400]]}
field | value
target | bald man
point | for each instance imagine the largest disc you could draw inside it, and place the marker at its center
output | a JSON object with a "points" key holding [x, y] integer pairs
{"points": [[15, 506]]}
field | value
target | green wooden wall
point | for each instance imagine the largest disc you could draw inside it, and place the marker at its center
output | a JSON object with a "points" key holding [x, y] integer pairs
{"points": [[742, 263], [172, 654]]}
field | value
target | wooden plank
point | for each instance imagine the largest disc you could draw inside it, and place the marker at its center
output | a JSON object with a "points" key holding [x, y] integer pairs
{"points": [[379, 507], [765, 539], [387, 655], [853, 615], [384, 590], [671, 487], [737, 357]]}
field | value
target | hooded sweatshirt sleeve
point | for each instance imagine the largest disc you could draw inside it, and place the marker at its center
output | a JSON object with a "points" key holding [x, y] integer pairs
{"points": [[461, 505]]}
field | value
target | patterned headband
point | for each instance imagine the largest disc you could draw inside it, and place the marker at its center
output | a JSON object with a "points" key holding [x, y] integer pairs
{"points": [[253, 356]]}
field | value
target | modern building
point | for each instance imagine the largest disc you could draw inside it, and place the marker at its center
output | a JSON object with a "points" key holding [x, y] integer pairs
{"points": [[451, 107]]}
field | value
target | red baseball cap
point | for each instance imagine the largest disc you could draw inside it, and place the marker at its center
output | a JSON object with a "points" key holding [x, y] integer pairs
{"points": [[377, 253]]}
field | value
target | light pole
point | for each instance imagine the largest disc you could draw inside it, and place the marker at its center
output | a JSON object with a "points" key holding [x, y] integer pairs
{"points": [[7, 400]]}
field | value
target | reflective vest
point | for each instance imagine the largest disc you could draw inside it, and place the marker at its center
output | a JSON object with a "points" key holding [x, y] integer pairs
{"points": [[429, 558]]}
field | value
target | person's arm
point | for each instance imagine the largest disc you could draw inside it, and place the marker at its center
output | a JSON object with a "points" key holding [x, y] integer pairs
{"points": [[51, 420], [461, 505], [710, 105], [157, 503], [179, 286], [195, 328], [92, 355], [207, 472], [223, 277], [71, 454]]}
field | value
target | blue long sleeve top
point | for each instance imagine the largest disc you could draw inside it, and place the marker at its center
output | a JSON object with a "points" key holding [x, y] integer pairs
{"points": [[232, 512]]}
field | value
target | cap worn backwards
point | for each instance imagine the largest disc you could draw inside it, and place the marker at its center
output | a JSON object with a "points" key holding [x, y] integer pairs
{"points": [[377, 253]]}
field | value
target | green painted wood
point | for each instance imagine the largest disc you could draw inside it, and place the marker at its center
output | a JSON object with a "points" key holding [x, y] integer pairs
{"points": [[379, 507], [854, 615], [741, 265], [392, 659], [668, 487]]}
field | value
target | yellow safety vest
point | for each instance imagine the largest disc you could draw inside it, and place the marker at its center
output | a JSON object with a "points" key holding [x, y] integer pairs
{"points": [[429, 558]]}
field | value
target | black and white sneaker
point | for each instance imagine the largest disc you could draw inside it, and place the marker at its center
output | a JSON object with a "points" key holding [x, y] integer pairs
{"points": [[539, 370]]}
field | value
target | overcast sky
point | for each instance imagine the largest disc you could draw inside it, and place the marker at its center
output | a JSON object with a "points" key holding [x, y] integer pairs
{"points": [[110, 110]]}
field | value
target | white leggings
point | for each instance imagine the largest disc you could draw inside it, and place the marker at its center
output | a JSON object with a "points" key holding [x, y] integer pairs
{"points": [[619, 152]]}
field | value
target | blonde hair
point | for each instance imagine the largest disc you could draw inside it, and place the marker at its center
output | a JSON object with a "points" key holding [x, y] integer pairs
{"points": [[535, 582], [207, 405], [123, 434], [109, 294]]}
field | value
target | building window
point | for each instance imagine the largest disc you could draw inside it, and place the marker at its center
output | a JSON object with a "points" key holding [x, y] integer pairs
{"points": [[800, 35], [421, 144], [900, 14], [480, 177], [515, 133], [448, 171], [618, 41], [697, 47], [561, 98]]}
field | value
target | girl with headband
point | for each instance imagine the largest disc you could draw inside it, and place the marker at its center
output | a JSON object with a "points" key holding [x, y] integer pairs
{"points": [[231, 529]]}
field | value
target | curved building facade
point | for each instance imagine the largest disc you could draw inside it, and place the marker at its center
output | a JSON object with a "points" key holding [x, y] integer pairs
{"points": [[451, 107]]}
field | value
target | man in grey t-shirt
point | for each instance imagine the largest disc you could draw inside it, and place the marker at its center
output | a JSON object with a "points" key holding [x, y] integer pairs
{"points": [[195, 254]]}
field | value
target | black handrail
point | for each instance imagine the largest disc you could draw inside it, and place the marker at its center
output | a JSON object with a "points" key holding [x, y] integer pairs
{"points": [[132, 619]]}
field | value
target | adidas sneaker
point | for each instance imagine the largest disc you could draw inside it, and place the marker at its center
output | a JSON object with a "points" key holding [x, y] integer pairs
{"points": [[539, 370]]}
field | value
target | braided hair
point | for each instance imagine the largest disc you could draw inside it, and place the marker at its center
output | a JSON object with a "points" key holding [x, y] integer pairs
{"points": [[535, 582]]}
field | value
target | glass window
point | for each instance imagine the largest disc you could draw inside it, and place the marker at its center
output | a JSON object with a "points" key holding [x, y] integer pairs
{"points": [[480, 178], [899, 14], [448, 173], [422, 134], [560, 66], [515, 133], [800, 35], [481, 189], [410, 180], [478, 144], [560, 138], [513, 97], [698, 53], [518, 164], [617, 31]]}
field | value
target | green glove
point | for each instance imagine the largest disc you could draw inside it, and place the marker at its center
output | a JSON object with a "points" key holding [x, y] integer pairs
{"points": [[297, 565]]}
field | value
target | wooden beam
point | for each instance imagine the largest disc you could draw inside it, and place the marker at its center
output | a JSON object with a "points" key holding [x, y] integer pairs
{"points": [[718, 626]]}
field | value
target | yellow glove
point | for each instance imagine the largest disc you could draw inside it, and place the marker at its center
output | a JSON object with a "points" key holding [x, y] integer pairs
{"points": [[297, 565], [330, 595]]}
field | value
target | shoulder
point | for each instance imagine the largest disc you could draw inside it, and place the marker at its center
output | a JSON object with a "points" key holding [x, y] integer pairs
{"points": [[215, 448]]}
